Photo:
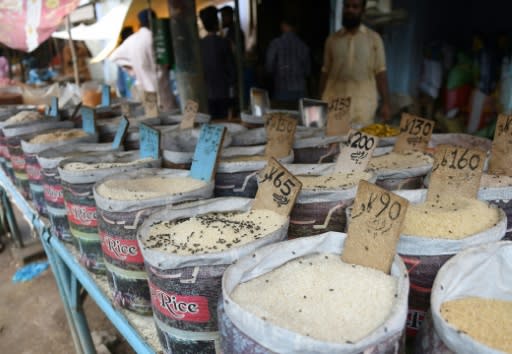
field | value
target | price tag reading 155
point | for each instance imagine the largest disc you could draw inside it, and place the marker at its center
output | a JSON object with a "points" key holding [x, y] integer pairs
{"points": [[356, 156], [338, 116], [456, 172], [280, 135], [501, 154], [373, 233], [277, 189], [415, 133]]}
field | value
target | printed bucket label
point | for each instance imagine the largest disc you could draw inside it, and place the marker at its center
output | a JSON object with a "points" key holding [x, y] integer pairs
{"points": [[121, 249]]}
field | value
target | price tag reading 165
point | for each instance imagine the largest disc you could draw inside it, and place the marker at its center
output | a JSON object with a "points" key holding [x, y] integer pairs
{"points": [[277, 190], [456, 172], [373, 233], [415, 133]]}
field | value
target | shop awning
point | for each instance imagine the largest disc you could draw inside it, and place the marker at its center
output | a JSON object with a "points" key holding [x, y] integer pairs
{"points": [[28, 23]]}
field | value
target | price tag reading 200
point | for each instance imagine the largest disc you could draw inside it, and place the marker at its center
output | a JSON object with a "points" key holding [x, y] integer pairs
{"points": [[415, 133], [357, 154], [456, 172], [373, 233], [277, 190]]}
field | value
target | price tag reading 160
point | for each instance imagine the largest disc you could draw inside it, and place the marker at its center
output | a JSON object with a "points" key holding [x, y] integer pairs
{"points": [[277, 190], [373, 233], [456, 172]]}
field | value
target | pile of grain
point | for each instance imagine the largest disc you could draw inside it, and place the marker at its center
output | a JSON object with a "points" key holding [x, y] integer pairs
{"points": [[493, 181], [147, 187], [400, 161], [23, 117], [322, 297], [333, 180], [83, 166], [488, 321], [211, 233], [58, 135], [449, 219]]}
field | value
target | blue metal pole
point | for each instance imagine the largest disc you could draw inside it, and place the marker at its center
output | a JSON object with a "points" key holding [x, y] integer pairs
{"points": [[116, 317]]}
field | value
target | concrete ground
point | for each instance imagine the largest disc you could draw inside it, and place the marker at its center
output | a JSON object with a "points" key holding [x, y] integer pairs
{"points": [[32, 318]]}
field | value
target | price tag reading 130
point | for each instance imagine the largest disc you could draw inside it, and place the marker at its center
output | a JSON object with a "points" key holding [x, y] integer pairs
{"points": [[456, 172], [338, 116], [277, 189], [357, 154], [415, 133], [501, 154], [373, 233], [280, 135]]}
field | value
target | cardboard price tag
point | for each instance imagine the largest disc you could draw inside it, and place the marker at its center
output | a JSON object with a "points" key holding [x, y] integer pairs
{"points": [[126, 109], [207, 151], [122, 129], [280, 129], [373, 233], [105, 96], [456, 172], [149, 142], [357, 154], [501, 153], [277, 189], [150, 104], [338, 116], [88, 120], [415, 133], [189, 117], [53, 109]]}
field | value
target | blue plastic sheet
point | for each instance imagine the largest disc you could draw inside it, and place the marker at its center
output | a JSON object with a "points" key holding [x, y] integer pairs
{"points": [[29, 272]]}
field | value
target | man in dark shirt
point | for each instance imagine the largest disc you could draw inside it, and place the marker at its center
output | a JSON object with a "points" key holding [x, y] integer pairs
{"points": [[218, 64], [288, 61], [228, 23]]}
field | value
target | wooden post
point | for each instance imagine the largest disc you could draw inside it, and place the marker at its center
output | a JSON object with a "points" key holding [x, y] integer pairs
{"points": [[73, 52]]}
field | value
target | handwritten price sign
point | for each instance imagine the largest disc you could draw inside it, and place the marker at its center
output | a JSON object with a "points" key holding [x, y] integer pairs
{"points": [[53, 109], [415, 133], [373, 233], [88, 120], [122, 129], [357, 154], [338, 116], [150, 104], [207, 151], [149, 142], [105, 96], [280, 134], [277, 190], [189, 117], [456, 172], [501, 154]]}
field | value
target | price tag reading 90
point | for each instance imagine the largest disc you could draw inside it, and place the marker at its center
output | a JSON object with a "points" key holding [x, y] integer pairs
{"points": [[277, 190], [373, 233], [456, 172]]}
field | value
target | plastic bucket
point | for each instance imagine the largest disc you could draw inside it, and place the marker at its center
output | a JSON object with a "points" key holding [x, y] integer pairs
{"points": [[192, 283], [52, 185], [118, 221], [79, 200]]}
